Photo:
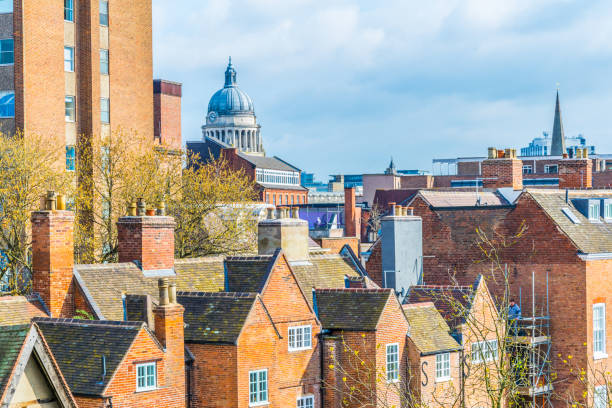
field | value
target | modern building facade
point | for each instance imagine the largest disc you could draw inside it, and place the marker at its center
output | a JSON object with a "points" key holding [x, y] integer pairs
{"points": [[72, 69]]}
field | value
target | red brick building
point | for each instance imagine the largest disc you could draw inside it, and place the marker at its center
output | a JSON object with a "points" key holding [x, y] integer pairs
{"points": [[167, 113]]}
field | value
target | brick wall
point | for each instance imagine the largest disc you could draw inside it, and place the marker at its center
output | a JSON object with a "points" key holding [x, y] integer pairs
{"points": [[468, 168], [602, 179], [498, 173], [411, 182], [576, 173], [350, 216], [336, 244], [167, 113], [214, 376], [169, 328], [274, 196], [53, 260], [374, 263]]}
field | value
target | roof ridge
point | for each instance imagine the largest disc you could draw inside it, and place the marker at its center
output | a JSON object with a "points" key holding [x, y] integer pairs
{"points": [[353, 290], [438, 287], [228, 295], [83, 322], [200, 259], [248, 258]]}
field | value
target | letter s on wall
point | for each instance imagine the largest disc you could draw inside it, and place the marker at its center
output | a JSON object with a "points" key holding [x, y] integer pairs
{"points": [[425, 378]]}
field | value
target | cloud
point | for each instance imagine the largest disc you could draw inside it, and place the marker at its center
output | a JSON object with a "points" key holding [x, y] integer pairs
{"points": [[352, 82]]}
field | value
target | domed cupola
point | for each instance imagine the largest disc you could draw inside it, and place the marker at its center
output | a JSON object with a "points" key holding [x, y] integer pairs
{"points": [[231, 99]]}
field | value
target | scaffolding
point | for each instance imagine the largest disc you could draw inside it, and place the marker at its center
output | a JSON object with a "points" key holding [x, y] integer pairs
{"points": [[532, 344]]}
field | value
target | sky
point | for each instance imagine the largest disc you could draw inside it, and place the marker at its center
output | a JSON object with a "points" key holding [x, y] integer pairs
{"points": [[341, 86]]}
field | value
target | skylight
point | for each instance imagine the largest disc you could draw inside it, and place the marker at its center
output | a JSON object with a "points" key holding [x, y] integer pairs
{"points": [[570, 215]]}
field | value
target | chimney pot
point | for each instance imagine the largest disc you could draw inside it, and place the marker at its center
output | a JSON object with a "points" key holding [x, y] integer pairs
{"points": [[50, 204], [132, 209], [172, 293], [492, 153], [162, 284], [142, 207], [161, 209], [270, 213], [410, 210], [295, 212], [61, 202]]}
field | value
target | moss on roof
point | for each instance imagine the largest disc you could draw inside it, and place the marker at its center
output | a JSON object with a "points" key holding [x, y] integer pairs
{"points": [[11, 342], [428, 330], [351, 309], [20, 309], [215, 317]]}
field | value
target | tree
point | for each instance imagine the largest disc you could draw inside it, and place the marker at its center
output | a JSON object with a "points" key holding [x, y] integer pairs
{"points": [[30, 165]]}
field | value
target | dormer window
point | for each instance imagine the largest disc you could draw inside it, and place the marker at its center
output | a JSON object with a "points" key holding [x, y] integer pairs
{"points": [[607, 205], [594, 211]]}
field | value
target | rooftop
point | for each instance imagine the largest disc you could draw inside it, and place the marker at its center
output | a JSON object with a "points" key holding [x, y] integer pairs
{"points": [[428, 330], [351, 309]]}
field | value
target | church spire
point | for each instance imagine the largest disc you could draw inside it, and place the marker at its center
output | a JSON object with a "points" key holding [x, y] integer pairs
{"points": [[558, 137], [391, 168], [230, 74]]}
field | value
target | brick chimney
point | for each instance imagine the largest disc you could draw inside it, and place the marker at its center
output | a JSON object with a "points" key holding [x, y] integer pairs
{"points": [[148, 241], [350, 216], [53, 257], [576, 173], [288, 232], [502, 169], [169, 330]]}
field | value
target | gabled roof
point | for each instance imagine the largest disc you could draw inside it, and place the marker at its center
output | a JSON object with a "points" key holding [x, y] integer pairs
{"points": [[428, 330], [21, 309], [351, 309], [215, 317], [248, 273], [264, 162], [588, 237], [78, 347], [17, 344], [105, 294], [451, 301], [447, 198]]}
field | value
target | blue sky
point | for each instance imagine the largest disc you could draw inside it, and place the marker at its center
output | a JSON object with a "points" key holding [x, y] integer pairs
{"points": [[340, 86]]}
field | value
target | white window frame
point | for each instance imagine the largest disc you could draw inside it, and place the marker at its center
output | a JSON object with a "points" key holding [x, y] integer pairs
{"points": [[104, 23], [548, 167], [104, 61], [594, 210], [299, 338], [599, 329], [600, 396], [527, 169], [607, 210], [306, 401], [392, 360], [74, 107], [103, 102], [255, 397], [443, 367], [484, 351], [146, 386], [70, 50]]}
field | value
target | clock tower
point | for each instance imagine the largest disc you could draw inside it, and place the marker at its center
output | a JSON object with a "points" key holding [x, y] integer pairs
{"points": [[231, 117]]}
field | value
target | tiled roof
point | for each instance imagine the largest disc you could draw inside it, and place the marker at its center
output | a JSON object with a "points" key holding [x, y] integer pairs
{"points": [[20, 309], [106, 283], [428, 330], [442, 198], [324, 271], [78, 347], [382, 198], [215, 317], [351, 309], [588, 237], [451, 301], [11, 342], [264, 162], [248, 273]]}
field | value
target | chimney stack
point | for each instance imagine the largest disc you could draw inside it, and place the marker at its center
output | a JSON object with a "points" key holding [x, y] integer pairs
{"points": [[502, 170], [289, 234], [169, 330], [352, 214], [147, 241], [576, 173], [53, 256]]}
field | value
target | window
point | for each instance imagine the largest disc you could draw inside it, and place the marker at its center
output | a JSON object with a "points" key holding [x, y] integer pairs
{"points": [[484, 351], [69, 10], [600, 397], [305, 402], [527, 169], [70, 109], [7, 55], [594, 211], [104, 12], [599, 330], [608, 210], [68, 59], [104, 110], [146, 377], [442, 367], [551, 168], [300, 338], [7, 104], [392, 362], [70, 155], [6, 6], [104, 62], [258, 387]]}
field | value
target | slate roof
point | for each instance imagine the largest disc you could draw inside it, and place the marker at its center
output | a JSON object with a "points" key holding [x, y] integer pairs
{"points": [[450, 301], [324, 271], [248, 273], [11, 342], [215, 317], [428, 330], [78, 347], [20, 309], [105, 283], [588, 237], [263, 162], [351, 309], [446, 198]]}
